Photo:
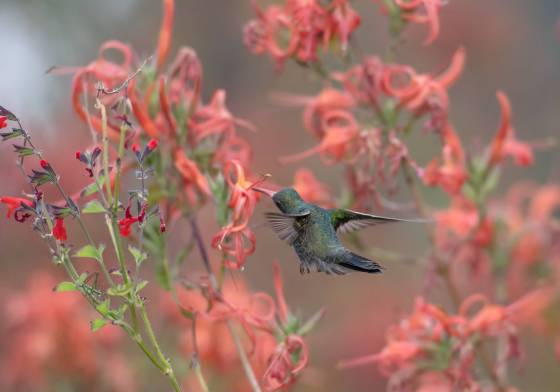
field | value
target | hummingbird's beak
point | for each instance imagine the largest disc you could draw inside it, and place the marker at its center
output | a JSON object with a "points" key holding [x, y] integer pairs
{"points": [[267, 192]]}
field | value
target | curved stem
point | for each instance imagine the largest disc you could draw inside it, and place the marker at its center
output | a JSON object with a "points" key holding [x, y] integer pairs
{"points": [[213, 281]]}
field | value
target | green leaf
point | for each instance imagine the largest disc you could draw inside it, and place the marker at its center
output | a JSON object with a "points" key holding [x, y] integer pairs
{"points": [[93, 207], [65, 286], [92, 188], [91, 252], [97, 324], [138, 255], [141, 285], [103, 307]]}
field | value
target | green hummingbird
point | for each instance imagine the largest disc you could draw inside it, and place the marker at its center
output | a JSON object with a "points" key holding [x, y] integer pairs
{"points": [[313, 233]]}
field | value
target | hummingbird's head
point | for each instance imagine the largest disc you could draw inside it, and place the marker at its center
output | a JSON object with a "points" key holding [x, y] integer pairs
{"points": [[288, 201]]}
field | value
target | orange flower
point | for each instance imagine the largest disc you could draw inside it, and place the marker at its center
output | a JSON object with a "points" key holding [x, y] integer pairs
{"points": [[310, 189], [339, 142], [505, 143], [318, 107], [450, 174], [193, 179], [236, 239], [421, 91], [165, 34], [216, 119], [282, 371], [111, 74], [50, 339], [422, 12]]}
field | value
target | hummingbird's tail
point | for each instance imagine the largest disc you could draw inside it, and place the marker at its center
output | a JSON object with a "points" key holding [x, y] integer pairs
{"points": [[356, 262]]}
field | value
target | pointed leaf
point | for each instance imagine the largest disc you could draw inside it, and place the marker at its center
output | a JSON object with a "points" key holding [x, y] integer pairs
{"points": [[93, 207], [138, 255], [91, 252], [65, 286], [97, 324]]}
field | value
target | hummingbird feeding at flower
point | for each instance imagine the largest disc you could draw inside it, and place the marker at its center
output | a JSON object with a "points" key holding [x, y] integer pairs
{"points": [[313, 233]]}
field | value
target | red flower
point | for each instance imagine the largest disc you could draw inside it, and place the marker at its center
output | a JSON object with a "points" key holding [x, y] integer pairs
{"points": [[59, 230], [44, 164], [14, 203], [152, 144], [3, 122], [126, 223]]}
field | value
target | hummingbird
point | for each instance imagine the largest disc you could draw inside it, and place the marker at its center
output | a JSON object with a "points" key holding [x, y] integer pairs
{"points": [[313, 233]]}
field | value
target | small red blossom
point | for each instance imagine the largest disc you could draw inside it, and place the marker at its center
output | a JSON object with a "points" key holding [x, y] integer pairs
{"points": [[78, 155], [3, 122], [59, 230], [126, 223], [152, 144], [44, 164]]}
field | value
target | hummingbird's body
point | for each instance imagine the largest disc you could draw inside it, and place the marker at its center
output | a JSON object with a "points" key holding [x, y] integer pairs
{"points": [[313, 233]]}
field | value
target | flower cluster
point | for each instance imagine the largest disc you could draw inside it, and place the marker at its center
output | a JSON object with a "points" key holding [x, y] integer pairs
{"points": [[50, 340], [275, 337], [298, 29]]}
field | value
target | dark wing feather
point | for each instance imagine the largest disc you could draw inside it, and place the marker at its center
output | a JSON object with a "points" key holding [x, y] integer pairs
{"points": [[285, 225], [346, 221]]}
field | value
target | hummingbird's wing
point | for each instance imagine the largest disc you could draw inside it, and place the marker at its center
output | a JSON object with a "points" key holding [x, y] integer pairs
{"points": [[285, 225], [346, 221]]}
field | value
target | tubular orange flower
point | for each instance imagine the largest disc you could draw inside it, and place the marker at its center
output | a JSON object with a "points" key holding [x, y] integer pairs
{"points": [[109, 73], [449, 173], [505, 143], [236, 239], [345, 20], [140, 110], [192, 177], [422, 11], [339, 142], [420, 89], [165, 107], [282, 370], [216, 119], [310, 189], [165, 33]]}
